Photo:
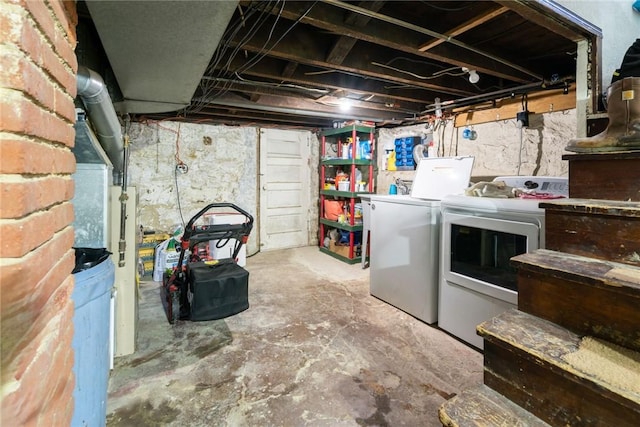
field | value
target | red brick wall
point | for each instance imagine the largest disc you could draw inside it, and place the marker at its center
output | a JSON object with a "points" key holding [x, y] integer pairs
{"points": [[37, 86]]}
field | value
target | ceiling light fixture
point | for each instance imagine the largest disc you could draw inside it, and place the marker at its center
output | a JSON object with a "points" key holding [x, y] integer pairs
{"points": [[474, 77], [344, 104]]}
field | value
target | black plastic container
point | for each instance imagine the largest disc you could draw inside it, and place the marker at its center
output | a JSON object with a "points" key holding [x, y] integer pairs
{"points": [[87, 258]]}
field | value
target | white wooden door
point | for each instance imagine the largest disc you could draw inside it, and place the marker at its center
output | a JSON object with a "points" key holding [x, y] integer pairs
{"points": [[284, 189]]}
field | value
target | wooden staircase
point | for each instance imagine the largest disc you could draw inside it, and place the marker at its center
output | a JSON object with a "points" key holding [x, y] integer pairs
{"points": [[583, 289]]}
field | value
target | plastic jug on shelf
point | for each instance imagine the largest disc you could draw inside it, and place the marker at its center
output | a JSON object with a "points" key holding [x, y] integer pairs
{"points": [[391, 161], [365, 150], [345, 150]]}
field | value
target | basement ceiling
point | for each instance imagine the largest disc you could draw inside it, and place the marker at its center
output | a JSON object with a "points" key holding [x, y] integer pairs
{"points": [[311, 63]]}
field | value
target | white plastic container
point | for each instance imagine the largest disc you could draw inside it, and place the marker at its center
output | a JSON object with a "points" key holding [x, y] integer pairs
{"points": [[344, 185]]}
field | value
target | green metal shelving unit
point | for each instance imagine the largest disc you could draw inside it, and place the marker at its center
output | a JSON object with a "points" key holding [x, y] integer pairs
{"points": [[337, 135]]}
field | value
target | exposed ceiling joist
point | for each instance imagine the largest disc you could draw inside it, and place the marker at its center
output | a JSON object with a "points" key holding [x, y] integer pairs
{"points": [[344, 44], [384, 33], [293, 62], [473, 23], [553, 17], [428, 32]]}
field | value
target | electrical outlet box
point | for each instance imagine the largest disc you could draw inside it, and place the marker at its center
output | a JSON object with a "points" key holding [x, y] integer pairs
{"points": [[522, 118]]}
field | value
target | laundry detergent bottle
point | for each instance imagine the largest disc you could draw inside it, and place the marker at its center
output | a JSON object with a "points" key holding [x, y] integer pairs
{"points": [[391, 161]]}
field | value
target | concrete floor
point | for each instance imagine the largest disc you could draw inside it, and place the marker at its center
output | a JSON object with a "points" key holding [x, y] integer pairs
{"points": [[314, 349]]}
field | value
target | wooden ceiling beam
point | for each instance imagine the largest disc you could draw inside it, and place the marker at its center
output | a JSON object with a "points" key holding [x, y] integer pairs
{"points": [[307, 51], [558, 20], [506, 108], [292, 105], [289, 69], [343, 45], [388, 35], [228, 115], [265, 70], [479, 20], [487, 56], [380, 103]]}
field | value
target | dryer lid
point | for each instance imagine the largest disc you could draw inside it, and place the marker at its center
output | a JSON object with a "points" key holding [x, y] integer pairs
{"points": [[437, 177]]}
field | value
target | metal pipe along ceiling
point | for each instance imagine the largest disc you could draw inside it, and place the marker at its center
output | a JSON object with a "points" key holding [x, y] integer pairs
{"points": [[95, 97]]}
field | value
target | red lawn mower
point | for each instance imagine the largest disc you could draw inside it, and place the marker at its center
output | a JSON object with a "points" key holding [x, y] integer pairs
{"points": [[204, 288]]}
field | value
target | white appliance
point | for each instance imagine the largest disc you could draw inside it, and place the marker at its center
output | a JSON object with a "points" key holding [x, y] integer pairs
{"points": [[479, 237], [405, 232], [222, 249]]}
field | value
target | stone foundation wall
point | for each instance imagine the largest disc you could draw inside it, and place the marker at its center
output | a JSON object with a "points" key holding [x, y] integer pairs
{"points": [[498, 148], [223, 164], [223, 161]]}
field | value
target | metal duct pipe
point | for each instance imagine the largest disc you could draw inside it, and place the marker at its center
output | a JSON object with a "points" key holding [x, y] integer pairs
{"points": [[96, 99]]}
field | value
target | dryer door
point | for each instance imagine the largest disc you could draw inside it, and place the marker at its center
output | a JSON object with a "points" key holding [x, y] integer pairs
{"points": [[477, 252]]}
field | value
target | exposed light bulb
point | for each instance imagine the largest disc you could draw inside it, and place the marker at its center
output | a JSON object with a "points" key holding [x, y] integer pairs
{"points": [[474, 77], [345, 104]]}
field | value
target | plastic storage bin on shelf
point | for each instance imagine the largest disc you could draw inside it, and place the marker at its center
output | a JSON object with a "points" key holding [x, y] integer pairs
{"points": [[346, 173], [404, 152], [94, 278]]}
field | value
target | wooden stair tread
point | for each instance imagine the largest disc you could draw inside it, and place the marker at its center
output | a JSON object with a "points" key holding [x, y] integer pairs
{"points": [[482, 406], [596, 272], [594, 207], [589, 296], [547, 342]]}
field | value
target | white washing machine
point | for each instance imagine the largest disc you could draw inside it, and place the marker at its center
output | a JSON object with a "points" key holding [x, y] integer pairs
{"points": [[405, 235], [479, 237]]}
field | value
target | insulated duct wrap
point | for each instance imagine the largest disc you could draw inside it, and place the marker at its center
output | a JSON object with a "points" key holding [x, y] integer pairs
{"points": [[95, 97]]}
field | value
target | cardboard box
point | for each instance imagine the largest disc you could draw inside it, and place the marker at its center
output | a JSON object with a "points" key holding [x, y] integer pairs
{"points": [[339, 249]]}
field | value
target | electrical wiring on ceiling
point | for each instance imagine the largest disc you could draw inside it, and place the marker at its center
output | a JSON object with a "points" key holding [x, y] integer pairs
{"points": [[448, 70], [216, 66], [264, 51], [207, 87], [284, 85], [417, 76], [221, 75]]}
